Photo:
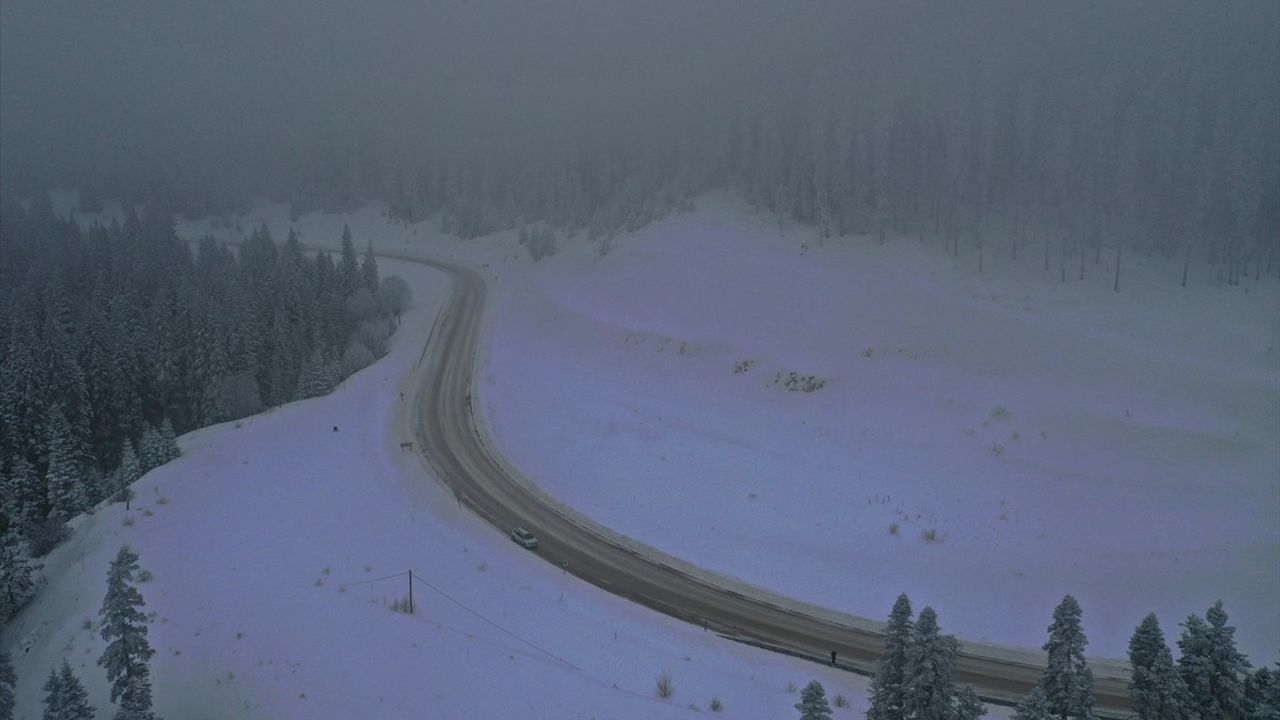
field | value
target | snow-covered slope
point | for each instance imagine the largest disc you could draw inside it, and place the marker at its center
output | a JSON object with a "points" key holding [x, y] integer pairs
{"points": [[1054, 438], [252, 534]]}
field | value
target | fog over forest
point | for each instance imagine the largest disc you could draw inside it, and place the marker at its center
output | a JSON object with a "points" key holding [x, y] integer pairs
{"points": [[1093, 124]]}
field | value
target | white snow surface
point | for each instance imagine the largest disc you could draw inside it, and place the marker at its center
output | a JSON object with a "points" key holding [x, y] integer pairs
{"points": [[1057, 438], [1135, 464], [252, 533]]}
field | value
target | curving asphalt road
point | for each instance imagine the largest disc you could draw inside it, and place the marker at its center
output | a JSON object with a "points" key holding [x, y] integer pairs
{"points": [[454, 443]]}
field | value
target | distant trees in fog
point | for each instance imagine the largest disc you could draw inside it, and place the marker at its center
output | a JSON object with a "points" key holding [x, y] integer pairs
{"points": [[1064, 134], [116, 339]]}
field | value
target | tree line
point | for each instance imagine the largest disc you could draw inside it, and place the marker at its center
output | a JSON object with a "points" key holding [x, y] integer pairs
{"points": [[117, 338], [1058, 132], [1211, 680]]}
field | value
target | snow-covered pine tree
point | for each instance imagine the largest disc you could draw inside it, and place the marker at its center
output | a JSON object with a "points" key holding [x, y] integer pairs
{"points": [[927, 690], [1211, 666], [135, 701], [169, 441], [968, 705], [23, 392], [1156, 690], [886, 685], [27, 492], [151, 453], [1262, 695], [16, 586], [314, 380], [128, 472], [1067, 681], [813, 702], [66, 698], [348, 266], [8, 679], [369, 270], [1034, 707], [65, 477], [124, 627]]}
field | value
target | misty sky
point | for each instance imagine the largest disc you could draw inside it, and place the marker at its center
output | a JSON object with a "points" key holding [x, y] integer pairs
{"points": [[103, 87]]}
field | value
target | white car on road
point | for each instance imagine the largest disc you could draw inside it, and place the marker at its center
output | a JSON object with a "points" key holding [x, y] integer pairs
{"points": [[524, 538]]}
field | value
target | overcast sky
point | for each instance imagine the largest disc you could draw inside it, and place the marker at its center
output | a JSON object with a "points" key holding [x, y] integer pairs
{"points": [[228, 79]]}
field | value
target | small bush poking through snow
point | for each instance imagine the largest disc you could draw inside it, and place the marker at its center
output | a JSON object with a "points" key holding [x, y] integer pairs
{"points": [[894, 529], [1000, 412], [791, 687], [742, 366], [664, 688], [930, 536], [795, 382], [716, 705], [840, 701], [996, 449], [401, 605]]}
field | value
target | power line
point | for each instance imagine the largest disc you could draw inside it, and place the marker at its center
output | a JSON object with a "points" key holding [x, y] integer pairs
{"points": [[496, 625], [374, 580]]}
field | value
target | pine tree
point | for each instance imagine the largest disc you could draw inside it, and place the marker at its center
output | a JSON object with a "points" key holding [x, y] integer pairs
{"points": [[813, 702], [16, 586], [65, 477], [1211, 666], [168, 441], [26, 491], [151, 451], [128, 472], [1035, 707], [968, 705], [1262, 695], [124, 627], [1156, 690], [314, 380], [1067, 681], [66, 698], [8, 679], [369, 270], [135, 700], [887, 684], [927, 690], [348, 267]]}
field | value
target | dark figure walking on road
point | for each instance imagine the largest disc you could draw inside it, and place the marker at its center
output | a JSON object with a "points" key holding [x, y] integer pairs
{"points": [[833, 658]]}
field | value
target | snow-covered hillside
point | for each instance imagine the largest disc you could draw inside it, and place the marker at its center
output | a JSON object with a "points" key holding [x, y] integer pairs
{"points": [[985, 443], [253, 532]]}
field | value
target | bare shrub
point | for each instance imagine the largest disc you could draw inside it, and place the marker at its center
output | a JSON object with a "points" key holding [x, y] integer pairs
{"points": [[663, 685], [716, 705]]}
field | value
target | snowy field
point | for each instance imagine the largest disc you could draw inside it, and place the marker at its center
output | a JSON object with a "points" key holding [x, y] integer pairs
{"points": [[985, 443], [251, 535]]}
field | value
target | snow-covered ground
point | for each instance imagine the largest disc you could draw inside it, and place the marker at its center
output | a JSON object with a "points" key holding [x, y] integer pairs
{"points": [[1056, 438], [253, 532]]}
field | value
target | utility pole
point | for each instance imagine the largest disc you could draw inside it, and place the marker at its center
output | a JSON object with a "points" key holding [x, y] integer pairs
{"points": [[411, 592]]}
